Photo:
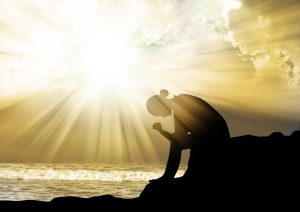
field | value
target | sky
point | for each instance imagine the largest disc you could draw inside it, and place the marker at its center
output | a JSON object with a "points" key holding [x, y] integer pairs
{"points": [[75, 75]]}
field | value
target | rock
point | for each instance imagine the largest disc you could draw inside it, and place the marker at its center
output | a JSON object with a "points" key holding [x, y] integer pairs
{"points": [[256, 172], [295, 136]]}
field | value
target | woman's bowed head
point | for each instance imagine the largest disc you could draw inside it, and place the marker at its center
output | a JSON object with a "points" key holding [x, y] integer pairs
{"points": [[159, 105]]}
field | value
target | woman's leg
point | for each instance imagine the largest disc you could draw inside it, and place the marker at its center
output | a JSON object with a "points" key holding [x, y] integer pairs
{"points": [[173, 161], [172, 164]]}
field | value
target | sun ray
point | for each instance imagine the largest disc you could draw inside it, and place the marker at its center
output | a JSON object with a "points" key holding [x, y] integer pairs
{"points": [[75, 74]]}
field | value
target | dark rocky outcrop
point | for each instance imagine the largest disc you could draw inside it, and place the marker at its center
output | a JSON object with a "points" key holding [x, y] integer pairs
{"points": [[251, 172], [96, 203]]}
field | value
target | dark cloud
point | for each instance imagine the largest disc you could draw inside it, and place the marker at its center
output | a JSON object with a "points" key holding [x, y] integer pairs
{"points": [[288, 64]]}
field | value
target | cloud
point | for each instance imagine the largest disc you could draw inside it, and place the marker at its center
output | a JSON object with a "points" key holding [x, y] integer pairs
{"points": [[171, 22], [287, 64], [268, 32]]}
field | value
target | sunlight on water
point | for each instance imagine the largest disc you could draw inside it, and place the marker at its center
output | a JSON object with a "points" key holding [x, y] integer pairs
{"points": [[113, 173], [47, 181]]}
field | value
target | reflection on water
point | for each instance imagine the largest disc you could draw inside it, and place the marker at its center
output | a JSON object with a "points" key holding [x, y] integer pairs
{"points": [[46, 181]]}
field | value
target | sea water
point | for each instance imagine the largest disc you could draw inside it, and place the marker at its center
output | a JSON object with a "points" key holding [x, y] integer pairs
{"points": [[44, 182]]}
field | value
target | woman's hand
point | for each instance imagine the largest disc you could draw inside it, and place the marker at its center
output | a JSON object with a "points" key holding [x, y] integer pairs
{"points": [[157, 126]]}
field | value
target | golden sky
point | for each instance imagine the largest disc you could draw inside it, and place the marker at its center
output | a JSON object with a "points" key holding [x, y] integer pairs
{"points": [[75, 75]]}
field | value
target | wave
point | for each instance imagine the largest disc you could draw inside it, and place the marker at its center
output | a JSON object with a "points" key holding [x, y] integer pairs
{"points": [[78, 173]]}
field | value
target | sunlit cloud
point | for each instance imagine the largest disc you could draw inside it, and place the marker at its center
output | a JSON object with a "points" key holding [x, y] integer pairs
{"points": [[269, 29]]}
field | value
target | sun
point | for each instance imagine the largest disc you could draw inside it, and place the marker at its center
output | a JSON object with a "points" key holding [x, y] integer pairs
{"points": [[106, 57]]}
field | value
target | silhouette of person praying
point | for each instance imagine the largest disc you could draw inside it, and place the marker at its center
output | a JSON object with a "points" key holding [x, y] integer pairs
{"points": [[198, 127]]}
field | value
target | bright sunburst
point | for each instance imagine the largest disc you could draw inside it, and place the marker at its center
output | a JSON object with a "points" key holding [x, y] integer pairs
{"points": [[75, 74], [90, 41], [99, 43]]}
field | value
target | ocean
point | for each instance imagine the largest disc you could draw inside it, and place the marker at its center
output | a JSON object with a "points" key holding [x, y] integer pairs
{"points": [[37, 181]]}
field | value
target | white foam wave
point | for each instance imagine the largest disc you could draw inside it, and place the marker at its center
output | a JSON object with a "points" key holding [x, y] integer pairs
{"points": [[77, 173]]}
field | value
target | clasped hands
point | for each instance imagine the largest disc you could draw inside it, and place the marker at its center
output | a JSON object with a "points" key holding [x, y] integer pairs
{"points": [[184, 141], [157, 126]]}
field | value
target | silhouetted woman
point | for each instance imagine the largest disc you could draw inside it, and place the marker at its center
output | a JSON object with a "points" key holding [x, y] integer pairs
{"points": [[198, 127]]}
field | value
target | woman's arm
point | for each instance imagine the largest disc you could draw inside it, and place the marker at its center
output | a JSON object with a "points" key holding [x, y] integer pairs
{"points": [[184, 142], [167, 135]]}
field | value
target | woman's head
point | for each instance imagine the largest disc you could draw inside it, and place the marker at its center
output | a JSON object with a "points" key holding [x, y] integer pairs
{"points": [[159, 105]]}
